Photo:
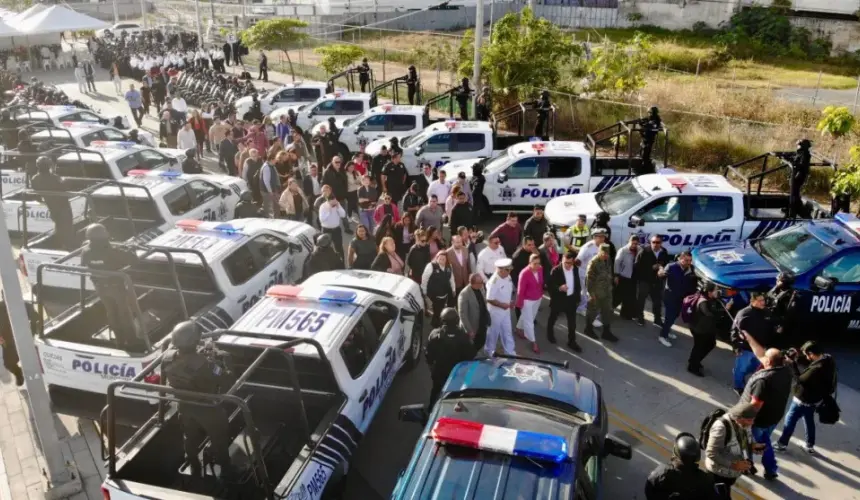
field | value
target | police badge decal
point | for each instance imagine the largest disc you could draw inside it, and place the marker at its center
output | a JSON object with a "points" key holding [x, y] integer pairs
{"points": [[507, 193]]}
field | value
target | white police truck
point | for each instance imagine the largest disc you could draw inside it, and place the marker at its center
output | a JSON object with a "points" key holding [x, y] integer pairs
{"points": [[136, 209], [83, 134], [381, 122], [291, 94], [533, 173], [81, 169], [338, 105], [686, 210], [314, 363], [56, 115], [208, 272]]}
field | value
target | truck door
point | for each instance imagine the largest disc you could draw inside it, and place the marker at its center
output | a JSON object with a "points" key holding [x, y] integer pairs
{"points": [[345, 107], [370, 355], [519, 185], [560, 176], [370, 129], [837, 308], [436, 150], [206, 201], [319, 113], [246, 269], [470, 145], [685, 221]]}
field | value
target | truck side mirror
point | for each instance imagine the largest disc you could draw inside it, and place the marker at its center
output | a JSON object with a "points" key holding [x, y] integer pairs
{"points": [[502, 178], [419, 151], [413, 413], [823, 283], [225, 192], [359, 127], [616, 447], [635, 221]]}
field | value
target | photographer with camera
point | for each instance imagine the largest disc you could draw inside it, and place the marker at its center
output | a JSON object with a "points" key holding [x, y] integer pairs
{"points": [[813, 384]]}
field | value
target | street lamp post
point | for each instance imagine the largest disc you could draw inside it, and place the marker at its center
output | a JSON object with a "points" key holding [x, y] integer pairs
{"points": [[479, 35]]}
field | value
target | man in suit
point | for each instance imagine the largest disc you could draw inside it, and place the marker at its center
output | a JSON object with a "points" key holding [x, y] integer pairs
{"points": [[564, 295], [458, 258], [227, 151], [472, 306]]}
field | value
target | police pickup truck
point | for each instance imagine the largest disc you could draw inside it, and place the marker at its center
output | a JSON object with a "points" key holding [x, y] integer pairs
{"points": [[382, 122], [533, 173], [822, 255], [511, 427], [291, 94], [209, 272], [81, 169], [314, 363], [83, 134], [448, 141], [135, 210], [59, 114], [338, 105], [686, 210]]}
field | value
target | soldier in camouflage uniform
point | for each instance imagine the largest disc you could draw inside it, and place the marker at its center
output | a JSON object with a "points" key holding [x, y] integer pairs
{"points": [[598, 281]]}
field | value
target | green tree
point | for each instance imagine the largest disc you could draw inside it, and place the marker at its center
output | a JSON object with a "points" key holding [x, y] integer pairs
{"points": [[526, 53], [846, 180], [836, 121], [619, 68], [275, 34], [337, 57]]}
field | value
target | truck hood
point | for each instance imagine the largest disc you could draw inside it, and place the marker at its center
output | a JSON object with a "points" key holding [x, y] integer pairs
{"points": [[734, 265], [338, 122], [276, 113], [564, 210], [374, 147], [453, 168]]}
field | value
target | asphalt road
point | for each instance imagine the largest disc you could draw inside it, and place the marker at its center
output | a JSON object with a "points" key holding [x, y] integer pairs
{"points": [[648, 392]]}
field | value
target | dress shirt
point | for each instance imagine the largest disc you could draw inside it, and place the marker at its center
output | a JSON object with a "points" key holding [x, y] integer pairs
{"points": [[330, 217]]}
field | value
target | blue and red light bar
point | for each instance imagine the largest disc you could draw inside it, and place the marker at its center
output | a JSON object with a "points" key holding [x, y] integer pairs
{"points": [[526, 444]]}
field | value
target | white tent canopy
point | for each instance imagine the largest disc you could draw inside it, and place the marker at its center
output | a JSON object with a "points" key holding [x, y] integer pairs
{"points": [[33, 10], [58, 19]]}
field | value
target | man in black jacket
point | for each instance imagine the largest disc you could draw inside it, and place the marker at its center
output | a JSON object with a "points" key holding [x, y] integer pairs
{"points": [[521, 258], [564, 294], [264, 67], [323, 257], [536, 225], [649, 262], [227, 152], [814, 383], [461, 214], [705, 327], [681, 478], [10, 352]]}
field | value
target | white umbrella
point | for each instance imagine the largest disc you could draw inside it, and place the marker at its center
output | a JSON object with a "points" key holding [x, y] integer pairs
{"points": [[34, 9], [58, 19]]}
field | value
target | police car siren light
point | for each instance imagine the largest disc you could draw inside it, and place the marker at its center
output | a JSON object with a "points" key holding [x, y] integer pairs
{"points": [[168, 173], [534, 139], [846, 218], [538, 147], [450, 123], [338, 296], [189, 224], [386, 107], [284, 291], [531, 445], [137, 173], [677, 182], [67, 124], [226, 228]]}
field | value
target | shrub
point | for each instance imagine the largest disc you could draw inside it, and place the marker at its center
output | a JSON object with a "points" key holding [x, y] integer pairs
{"points": [[836, 121]]}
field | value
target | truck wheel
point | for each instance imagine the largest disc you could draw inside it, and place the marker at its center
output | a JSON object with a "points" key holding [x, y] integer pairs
{"points": [[416, 342]]}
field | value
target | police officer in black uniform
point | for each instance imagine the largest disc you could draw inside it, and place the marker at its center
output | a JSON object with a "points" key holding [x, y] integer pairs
{"points": [[59, 207], [780, 301], [246, 208], [463, 94], [650, 126], [681, 478], [483, 106], [10, 351], [446, 346], [543, 107], [364, 74], [189, 164], [411, 84], [100, 255], [800, 166], [9, 130], [192, 367]]}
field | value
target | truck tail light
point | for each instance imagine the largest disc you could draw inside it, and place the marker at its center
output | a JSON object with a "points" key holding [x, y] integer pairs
{"points": [[152, 378], [105, 493], [22, 264]]}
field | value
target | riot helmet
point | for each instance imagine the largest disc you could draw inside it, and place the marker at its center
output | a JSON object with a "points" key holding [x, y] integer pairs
{"points": [[185, 336], [246, 196], [687, 449], [97, 233], [450, 317], [44, 164], [324, 241]]}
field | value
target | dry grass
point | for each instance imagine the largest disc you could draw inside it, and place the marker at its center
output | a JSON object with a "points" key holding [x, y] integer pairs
{"points": [[775, 76]]}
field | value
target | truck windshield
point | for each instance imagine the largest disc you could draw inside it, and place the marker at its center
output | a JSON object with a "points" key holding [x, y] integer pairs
{"points": [[619, 199], [794, 249], [499, 160], [418, 138], [356, 119]]}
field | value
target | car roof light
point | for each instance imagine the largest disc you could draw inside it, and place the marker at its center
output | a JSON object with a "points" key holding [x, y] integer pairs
{"points": [[170, 173], [677, 182], [189, 224], [67, 124], [137, 173], [535, 139], [284, 291], [526, 444], [849, 220], [338, 296], [386, 107], [226, 228], [451, 123], [538, 147]]}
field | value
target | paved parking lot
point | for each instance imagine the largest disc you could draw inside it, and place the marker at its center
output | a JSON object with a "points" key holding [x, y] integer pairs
{"points": [[648, 392]]}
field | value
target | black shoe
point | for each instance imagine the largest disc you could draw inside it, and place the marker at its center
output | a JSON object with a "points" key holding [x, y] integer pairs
{"points": [[590, 332], [19, 379], [573, 346], [771, 476], [607, 335], [658, 322], [697, 371]]}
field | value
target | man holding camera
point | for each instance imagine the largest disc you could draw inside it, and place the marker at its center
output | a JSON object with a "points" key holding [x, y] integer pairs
{"points": [[814, 383]]}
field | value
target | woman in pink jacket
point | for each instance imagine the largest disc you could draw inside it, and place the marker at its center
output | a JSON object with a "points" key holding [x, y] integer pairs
{"points": [[386, 207], [529, 295]]}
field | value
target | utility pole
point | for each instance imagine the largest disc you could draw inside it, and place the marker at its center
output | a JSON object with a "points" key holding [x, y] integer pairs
{"points": [[115, 13], [479, 35], [212, 11], [143, 12], [197, 18], [62, 483], [492, 18]]}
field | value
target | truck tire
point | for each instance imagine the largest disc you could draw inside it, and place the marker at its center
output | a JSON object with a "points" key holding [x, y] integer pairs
{"points": [[416, 343]]}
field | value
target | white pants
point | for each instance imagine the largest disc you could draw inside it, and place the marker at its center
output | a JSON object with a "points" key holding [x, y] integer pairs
{"points": [[528, 315], [584, 302], [500, 326], [117, 83], [82, 86]]}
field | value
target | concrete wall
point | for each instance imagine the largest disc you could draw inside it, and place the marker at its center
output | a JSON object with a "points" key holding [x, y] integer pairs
{"points": [[127, 9], [845, 35], [674, 14]]}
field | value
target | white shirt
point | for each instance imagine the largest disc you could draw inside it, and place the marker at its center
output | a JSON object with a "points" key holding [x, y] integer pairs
{"points": [[440, 189], [185, 139], [330, 217], [487, 260], [316, 184], [568, 279], [428, 272], [179, 104], [587, 253], [499, 289]]}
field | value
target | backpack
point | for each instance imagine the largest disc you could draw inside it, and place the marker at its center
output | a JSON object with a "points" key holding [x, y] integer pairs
{"points": [[689, 305], [708, 422]]}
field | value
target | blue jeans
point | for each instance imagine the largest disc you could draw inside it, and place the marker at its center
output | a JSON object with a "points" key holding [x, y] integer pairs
{"points": [[366, 217], [796, 411], [768, 458], [745, 364], [673, 310]]}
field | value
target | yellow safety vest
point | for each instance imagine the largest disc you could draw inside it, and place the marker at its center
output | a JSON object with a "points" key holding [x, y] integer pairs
{"points": [[578, 236]]}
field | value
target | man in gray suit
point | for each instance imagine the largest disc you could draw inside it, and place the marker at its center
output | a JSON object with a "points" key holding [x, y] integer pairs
{"points": [[472, 306]]}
